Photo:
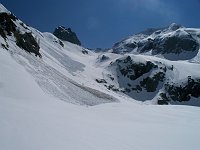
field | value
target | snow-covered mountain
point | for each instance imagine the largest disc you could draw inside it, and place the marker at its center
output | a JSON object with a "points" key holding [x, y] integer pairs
{"points": [[42, 77], [160, 65], [140, 76], [66, 34], [173, 43]]}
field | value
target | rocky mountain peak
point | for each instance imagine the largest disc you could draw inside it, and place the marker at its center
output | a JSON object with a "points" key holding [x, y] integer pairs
{"points": [[174, 42], [66, 34], [174, 26]]}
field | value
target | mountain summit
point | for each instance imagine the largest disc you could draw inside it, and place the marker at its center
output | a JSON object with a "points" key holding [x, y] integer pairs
{"points": [[66, 34], [174, 43]]}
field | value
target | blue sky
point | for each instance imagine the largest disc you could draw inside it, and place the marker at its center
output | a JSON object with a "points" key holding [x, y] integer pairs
{"points": [[101, 23]]}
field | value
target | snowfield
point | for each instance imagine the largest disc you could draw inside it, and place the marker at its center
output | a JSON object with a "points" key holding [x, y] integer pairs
{"points": [[47, 124]]}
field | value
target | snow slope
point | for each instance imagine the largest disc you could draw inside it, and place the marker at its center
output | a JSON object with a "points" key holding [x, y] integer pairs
{"points": [[51, 124], [38, 121], [15, 82], [59, 74], [35, 120]]}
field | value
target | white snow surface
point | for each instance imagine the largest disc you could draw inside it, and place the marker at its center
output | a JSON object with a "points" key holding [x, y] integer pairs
{"points": [[3, 9], [32, 120], [33, 117], [47, 124]]}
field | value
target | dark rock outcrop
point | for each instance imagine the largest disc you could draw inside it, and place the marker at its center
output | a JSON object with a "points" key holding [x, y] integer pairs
{"points": [[134, 70], [174, 43], [7, 25], [174, 27], [151, 83], [180, 93], [66, 34], [25, 41], [138, 79]]}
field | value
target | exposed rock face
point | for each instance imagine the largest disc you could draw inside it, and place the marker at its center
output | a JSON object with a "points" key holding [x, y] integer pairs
{"points": [[174, 40], [103, 58], [134, 70], [175, 26], [7, 26], [175, 44], [25, 41], [180, 93], [143, 79], [66, 34], [138, 79]]}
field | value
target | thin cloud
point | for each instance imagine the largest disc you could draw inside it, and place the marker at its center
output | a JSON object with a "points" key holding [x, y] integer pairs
{"points": [[92, 23], [160, 7]]}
